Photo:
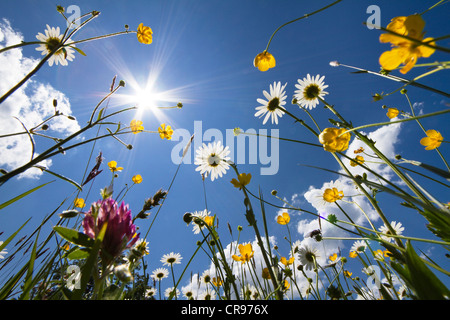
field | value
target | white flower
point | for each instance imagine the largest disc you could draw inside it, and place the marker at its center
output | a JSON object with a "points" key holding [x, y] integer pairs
{"points": [[160, 274], [3, 252], [359, 246], [397, 226], [53, 39], [212, 158], [171, 293], [206, 277], [308, 257], [188, 292], [150, 292], [207, 295], [309, 89], [198, 220], [273, 106], [171, 258]]}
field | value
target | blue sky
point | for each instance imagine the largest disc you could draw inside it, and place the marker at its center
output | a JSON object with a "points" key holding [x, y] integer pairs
{"points": [[202, 54]]}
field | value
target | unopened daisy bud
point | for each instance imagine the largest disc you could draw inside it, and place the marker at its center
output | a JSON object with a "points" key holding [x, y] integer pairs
{"points": [[60, 9], [122, 83], [403, 91], [71, 118], [69, 214], [129, 147], [187, 217], [55, 103], [45, 127], [179, 105], [334, 63], [398, 157], [274, 192], [123, 273], [127, 27], [239, 228], [343, 259]]}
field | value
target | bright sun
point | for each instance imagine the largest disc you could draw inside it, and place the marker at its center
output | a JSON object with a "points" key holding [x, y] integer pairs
{"points": [[145, 99]]}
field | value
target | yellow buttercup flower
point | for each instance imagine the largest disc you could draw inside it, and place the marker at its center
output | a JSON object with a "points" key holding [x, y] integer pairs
{"points": [[283, 219], [243, 180], [392, 113], [286, 262], [246, 252], [333, 257], [137, 179], [165, 132], [264, 61], [334, 139], [79, 203], [136, 126], [353, 254], [405, 51], [113, 166], [356, 161], [217, 282], [332, 195], [433, 140], [347, 273], [144, 34]]}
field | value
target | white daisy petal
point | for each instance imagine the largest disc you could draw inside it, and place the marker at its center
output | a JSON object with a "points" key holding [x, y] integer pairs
{"points": [[309, 89], [275, 100]]}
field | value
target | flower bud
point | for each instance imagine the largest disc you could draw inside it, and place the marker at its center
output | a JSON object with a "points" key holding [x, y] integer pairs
{"points": [[123, 273]]}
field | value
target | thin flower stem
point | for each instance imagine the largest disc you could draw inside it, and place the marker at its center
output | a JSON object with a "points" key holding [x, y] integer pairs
{"points": [[302, 17]]}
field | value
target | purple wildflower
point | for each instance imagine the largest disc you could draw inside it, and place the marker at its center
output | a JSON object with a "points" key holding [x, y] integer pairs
{"points": [[120, 232]]}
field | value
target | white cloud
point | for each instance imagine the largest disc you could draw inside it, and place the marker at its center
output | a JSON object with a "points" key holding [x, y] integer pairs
{"points": [[31, 104]]}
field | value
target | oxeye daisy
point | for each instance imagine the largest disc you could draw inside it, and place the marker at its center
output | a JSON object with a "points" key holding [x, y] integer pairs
{"points": [[358, 246], [398, 228], [200, 219], [212, 159], [309, 90], [171, 259], [273, 106], [308, 257], [150, 293], [188, 292], [171, 293], [51, 41], [160, 274]]}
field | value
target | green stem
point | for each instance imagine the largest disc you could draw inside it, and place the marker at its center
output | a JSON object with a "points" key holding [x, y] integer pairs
{"points": [[302, 17]]}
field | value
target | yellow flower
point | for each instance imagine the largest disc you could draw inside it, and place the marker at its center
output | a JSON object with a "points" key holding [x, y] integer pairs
{"points": [[246, 253], [79, 203], [209, 220], [113, 166], [348, 274], [286, 262], [144, 34], [333, 257], [244, 179], [433, 140], [405, 51], [165, 132], [360, 150], [136, 126], [332, 195], [286, 285], [334, 139], [283, 219], [217, 282], [392, 113], [137, 179], [353, 254], [358, 159], [264, 61], [266, 273]]}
